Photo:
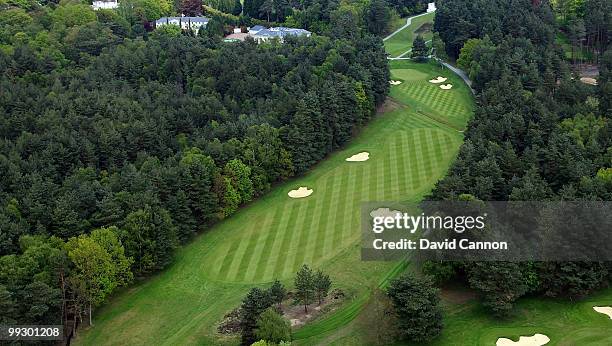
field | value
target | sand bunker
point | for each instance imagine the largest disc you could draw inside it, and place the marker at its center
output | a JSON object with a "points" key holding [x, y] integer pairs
{"points": [[606, 310], [536, 340], [300, 193], [446, 86], [395, 82], [588, 80], [384, 212], [363, 156], [438, 80]]}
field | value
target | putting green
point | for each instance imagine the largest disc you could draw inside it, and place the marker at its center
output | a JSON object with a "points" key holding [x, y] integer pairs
{"points": [[272, 237], [450, 107], [408, 74]]}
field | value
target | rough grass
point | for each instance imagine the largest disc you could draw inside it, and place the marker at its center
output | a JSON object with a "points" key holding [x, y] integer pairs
{"points": [[402, 41], [273, 236]]}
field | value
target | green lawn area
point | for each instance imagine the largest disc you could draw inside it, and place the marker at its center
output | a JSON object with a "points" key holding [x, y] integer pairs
{"points": [[402, 41], [564, 322], [411, 146], [580, 55]]}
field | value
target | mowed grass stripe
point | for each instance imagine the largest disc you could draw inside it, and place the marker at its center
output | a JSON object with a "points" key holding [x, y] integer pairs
{"points": [[281, 229], [414, 163], [364, 188], [349, 209], [373, 179], [298, 230], [324, 218], [257, 239], [348, 186], [308, 253], [278, 258], [403, 164], [400, 166], [383, 175], [394, 174], [328, 239], [273, 239], [438, 149], [237, 254], [220, 260], [247, 241], [425, 139], [263, 247], [420, 157], [229, 258], [305, 234]]}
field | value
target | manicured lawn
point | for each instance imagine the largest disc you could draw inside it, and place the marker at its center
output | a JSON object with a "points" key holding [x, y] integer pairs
{"points": [[402, 41], [564, 322], [411, 146]]}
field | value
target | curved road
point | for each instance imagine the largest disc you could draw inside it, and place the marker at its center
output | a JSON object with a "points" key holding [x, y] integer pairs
{"points": [[408, 22]]}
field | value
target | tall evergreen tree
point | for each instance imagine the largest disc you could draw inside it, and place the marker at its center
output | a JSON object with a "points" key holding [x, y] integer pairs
{"points": [[322, 284], [277, 293], [304, 286], [419, 49], [237, 10], [253, 304], [377, 17], [416, 304]]}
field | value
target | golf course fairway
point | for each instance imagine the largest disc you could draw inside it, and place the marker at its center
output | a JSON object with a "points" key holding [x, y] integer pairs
{"points": [[411, 143]]}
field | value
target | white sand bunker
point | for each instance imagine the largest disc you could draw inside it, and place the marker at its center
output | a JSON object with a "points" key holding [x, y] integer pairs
{"points": [[384, 212], [606, 310], [535, 340], [587, 80], [446, 86], [300, 193], [363, 156], [438, 80], [395, 82]]}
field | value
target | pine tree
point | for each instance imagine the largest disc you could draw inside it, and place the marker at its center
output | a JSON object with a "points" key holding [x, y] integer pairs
{"points": [[304, 286], [419, 49], [237, 8], [416, 304], [322, 284], [253, 304], [377, 17], [277, 293]]}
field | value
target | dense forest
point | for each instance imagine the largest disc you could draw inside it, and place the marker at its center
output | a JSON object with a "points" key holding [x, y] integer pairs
{"points": [[538, 134], [119, 142]]}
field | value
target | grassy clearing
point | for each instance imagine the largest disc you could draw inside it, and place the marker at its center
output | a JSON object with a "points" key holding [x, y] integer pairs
{"points": [[579, 55], [273, 236], [402, 41]]}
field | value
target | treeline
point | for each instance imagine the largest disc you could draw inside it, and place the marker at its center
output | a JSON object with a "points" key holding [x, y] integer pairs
{"points": [[538, 134], [117, 147], [586, 25]]}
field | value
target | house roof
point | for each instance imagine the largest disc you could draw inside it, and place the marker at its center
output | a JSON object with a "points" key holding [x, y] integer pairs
{"points": [[163, 20], [281, 31], [257, 28]]}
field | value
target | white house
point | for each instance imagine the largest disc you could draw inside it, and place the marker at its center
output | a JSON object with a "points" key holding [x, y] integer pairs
{"points": [[431, 7], [185, 23], [105, 5]]}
